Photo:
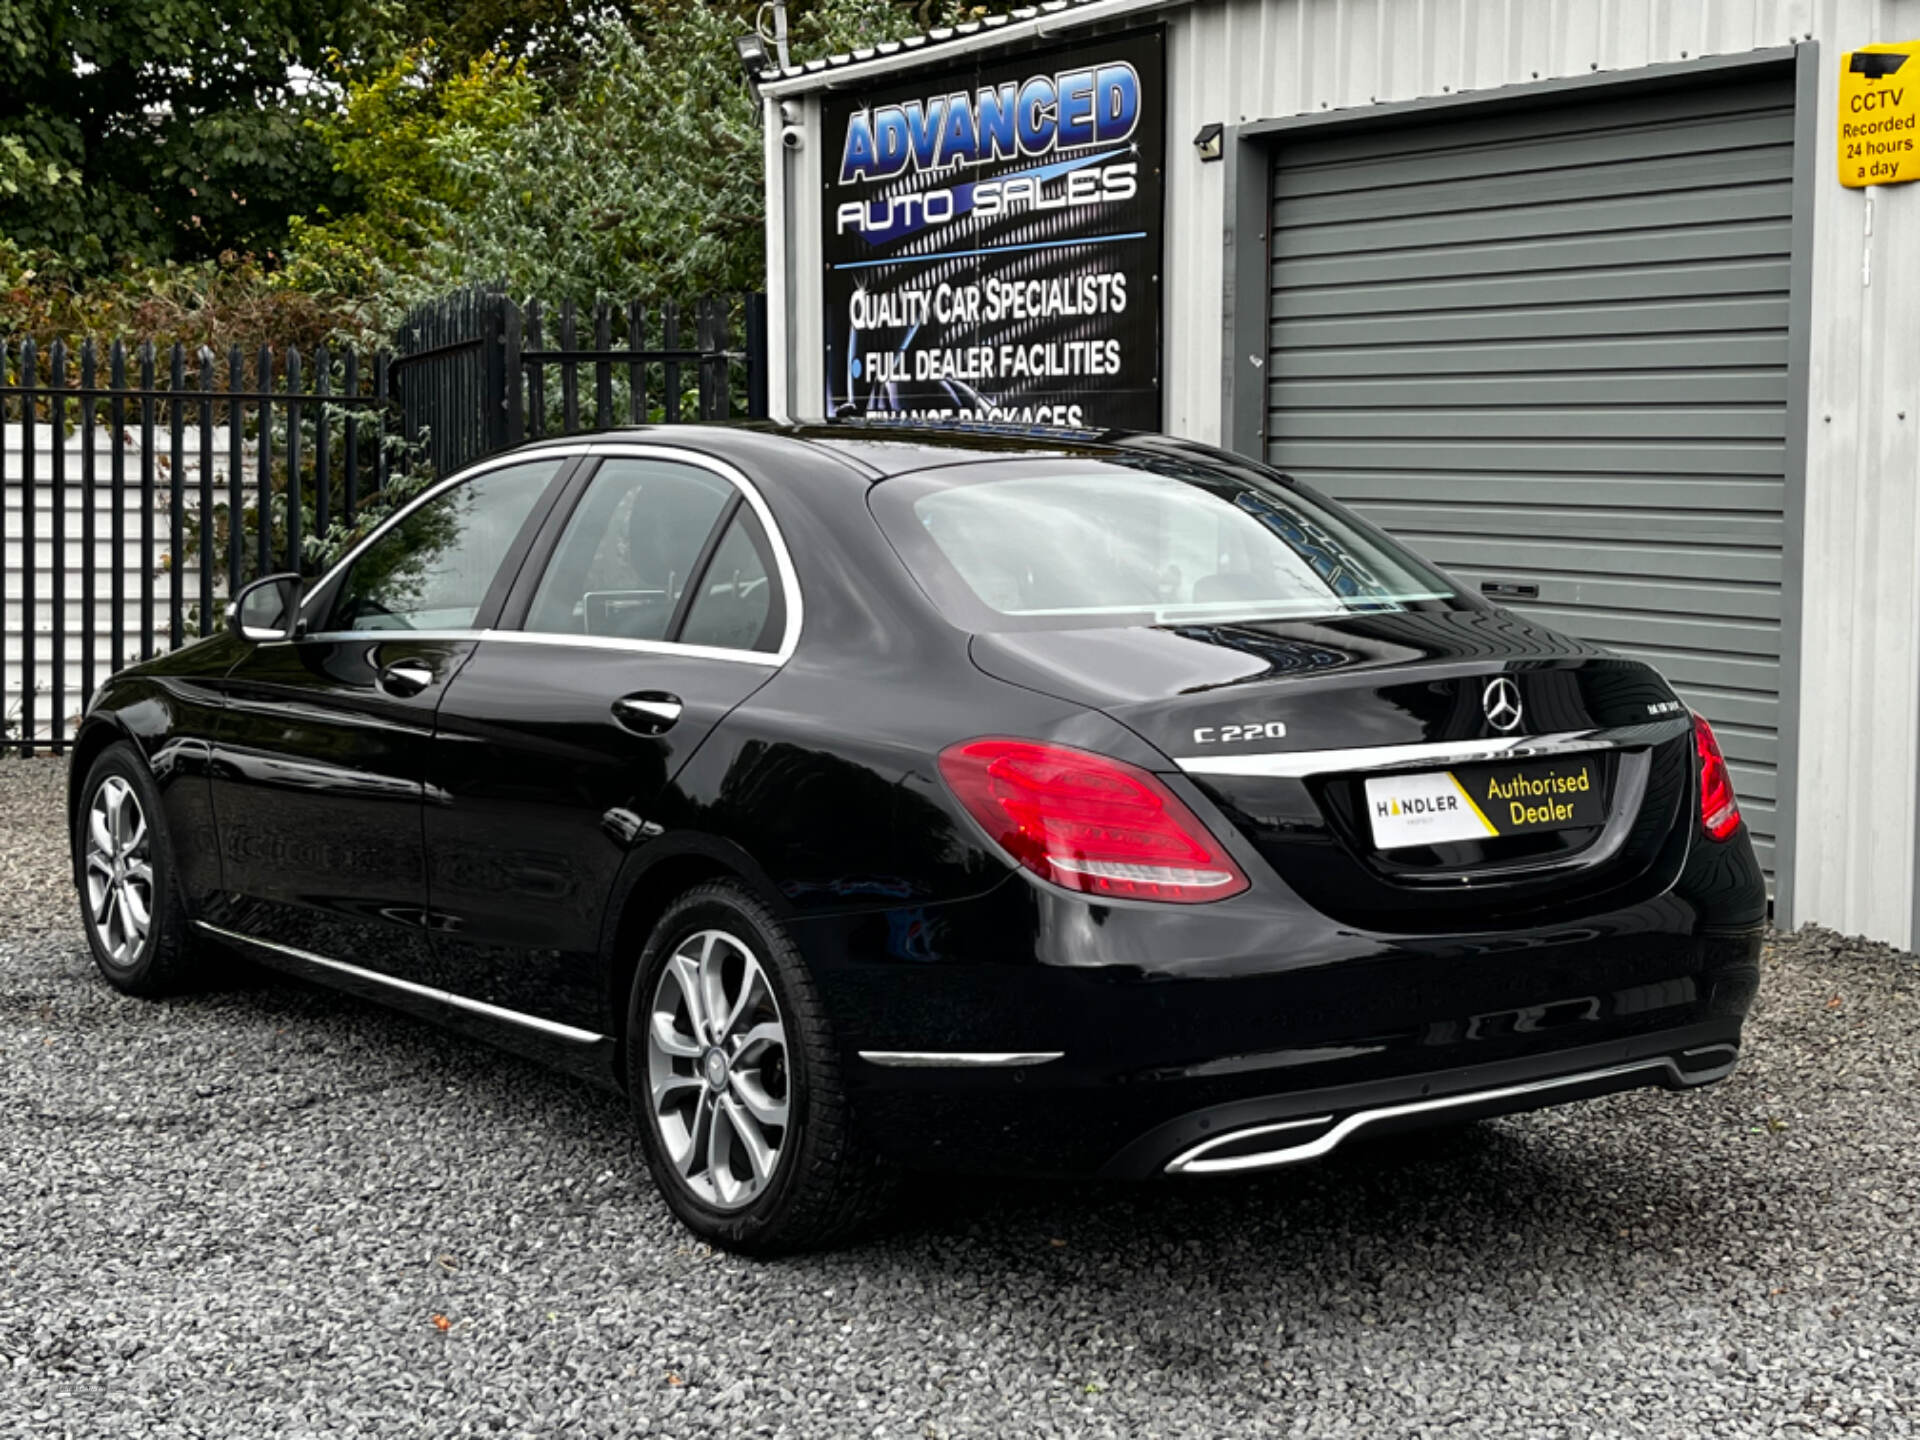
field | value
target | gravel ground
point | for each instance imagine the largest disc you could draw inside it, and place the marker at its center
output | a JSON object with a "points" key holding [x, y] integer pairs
{"points": [[274, 1210]]}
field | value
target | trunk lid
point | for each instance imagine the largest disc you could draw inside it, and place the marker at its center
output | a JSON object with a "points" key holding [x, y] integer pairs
{"points": [[1282, 724]]}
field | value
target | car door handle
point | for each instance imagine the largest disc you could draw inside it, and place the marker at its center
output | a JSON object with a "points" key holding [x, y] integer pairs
{"points": [[405, 677], [649, 713]]}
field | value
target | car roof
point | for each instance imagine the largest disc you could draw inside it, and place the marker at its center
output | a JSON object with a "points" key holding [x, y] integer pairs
{"points": [[881, 450]]}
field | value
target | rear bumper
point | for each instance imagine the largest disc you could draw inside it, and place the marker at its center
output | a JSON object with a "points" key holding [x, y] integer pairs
{"points": [[1024, 1032], [1013, 1121], [1285, 1130]]}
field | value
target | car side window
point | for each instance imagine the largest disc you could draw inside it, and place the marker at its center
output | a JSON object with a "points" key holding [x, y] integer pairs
{"points": [[737, 604], [432, 570], [628, 550]]}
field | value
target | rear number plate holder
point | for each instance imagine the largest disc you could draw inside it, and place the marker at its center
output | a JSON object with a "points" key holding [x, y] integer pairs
{"points": [[1484, 802]]}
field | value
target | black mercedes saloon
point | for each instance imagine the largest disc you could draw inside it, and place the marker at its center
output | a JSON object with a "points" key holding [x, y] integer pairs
{"points": [[861, 799]]}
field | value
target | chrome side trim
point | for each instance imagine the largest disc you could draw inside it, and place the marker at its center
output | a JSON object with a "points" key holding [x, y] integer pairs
{"points": [[408, 987], [521, 1018], [382, 637], [640, 647], [1194, 1161], [958, 1059], [539, 637], [1298, 764]]}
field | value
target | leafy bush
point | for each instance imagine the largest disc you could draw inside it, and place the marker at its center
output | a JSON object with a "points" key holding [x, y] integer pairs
{"points": [[218, 303]]}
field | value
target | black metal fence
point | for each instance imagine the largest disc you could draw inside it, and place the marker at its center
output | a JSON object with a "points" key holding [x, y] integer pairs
{"points": [[141, 488], [476, 374]]}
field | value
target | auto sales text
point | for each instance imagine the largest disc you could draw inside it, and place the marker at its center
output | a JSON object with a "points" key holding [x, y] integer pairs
{"points": [[990, 301], [1097, 185]]}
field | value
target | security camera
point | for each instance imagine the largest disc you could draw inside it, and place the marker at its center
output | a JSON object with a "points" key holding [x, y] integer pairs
{"points": [[792, 137]]}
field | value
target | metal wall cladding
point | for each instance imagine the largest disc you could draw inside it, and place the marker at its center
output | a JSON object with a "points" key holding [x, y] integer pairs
{"points": [[1549, 348], [1242, 60]]}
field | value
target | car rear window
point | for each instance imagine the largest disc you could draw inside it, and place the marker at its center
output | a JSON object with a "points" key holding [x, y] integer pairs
{"points": [[1064, 543]]}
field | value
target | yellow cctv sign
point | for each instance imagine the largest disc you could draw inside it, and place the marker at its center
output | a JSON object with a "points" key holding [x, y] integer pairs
{"points": [[1880, 114]]}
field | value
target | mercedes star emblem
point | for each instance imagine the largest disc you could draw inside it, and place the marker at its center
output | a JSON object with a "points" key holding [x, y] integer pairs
{"points": [[1501, 700]]}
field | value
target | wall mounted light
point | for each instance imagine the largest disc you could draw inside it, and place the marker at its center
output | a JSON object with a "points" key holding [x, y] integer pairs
{"points": [[762, 51], [1211, 141], [754, 57]]}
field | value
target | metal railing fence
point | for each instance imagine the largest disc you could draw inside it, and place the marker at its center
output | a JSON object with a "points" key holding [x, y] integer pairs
{"points": [[141, 487]]}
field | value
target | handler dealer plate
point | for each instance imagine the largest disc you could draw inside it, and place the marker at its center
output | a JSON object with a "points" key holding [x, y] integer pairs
{"points": [[1477, 802]]}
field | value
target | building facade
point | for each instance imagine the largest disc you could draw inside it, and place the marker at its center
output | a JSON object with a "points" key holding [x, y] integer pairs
{"points": [[1569, 294]]}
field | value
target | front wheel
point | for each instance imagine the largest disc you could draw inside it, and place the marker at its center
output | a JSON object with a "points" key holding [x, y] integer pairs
{"points": [[735, 1081], [130, 902]]}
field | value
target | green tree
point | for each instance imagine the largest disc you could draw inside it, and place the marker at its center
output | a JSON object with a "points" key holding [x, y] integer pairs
{"points": [[547, 34], [165, 129], [644, 176], [556, 36], [395, 142]]}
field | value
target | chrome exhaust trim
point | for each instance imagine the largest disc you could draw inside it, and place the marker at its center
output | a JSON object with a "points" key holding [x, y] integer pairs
{"points": [[1717, 1062], [1196, 1161]]}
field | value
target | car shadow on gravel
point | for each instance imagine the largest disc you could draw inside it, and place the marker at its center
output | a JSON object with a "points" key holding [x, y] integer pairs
{"points": [[1380, 1234], [1452, 1183]]}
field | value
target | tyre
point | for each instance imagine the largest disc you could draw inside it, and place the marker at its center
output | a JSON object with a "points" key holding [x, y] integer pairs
{"points": [[735, 1082], [130, 902]]}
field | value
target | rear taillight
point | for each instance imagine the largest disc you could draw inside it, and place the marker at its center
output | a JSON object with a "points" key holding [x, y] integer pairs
{"points": [[1719, 811], [1089, 823]]}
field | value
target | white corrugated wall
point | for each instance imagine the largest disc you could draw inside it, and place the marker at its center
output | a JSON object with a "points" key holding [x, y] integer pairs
{"points": [[1860, 637], [1230, 60], [53, 709]]}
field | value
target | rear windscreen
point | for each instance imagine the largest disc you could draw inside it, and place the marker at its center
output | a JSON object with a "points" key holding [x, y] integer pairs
{"points": [[1077, 542]]}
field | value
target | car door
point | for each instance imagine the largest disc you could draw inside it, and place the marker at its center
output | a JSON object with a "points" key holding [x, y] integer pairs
{"points": [[654, 606], [322, 751]]}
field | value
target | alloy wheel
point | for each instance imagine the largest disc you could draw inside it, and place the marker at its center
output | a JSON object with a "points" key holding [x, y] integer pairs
{"points": [[119, 871], [717, 1069]]}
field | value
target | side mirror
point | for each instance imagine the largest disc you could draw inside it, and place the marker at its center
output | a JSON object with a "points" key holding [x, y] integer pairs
{"points": [[268, 609]]}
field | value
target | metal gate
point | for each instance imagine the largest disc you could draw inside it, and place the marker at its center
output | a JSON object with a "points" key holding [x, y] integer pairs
{"points": [[1548, 348], [474, 375]]}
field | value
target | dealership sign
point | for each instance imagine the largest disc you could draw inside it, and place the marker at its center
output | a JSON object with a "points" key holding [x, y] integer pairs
{"points": [[993, 241]]}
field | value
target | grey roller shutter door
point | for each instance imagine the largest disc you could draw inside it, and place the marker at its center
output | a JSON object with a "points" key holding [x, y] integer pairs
{"points": [[1550, 347]]}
